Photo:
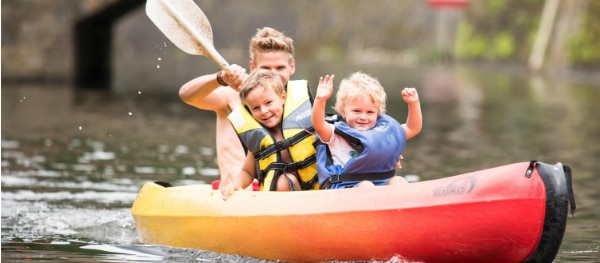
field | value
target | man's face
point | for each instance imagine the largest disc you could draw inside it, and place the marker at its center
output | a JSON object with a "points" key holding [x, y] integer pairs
{"points": [[276, 61]]}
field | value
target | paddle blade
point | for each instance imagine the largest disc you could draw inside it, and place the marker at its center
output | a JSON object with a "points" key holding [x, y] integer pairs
{"points": [[181, 21]]}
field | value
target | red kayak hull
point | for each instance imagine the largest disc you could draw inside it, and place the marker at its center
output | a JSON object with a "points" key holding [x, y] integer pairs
{"points": [[502, 214]]}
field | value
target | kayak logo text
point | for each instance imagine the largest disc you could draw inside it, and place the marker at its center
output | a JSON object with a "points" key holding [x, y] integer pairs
{"points": [[457, 187]]}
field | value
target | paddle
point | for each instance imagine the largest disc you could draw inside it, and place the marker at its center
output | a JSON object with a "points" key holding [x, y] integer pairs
{"points": [[186, 26]]}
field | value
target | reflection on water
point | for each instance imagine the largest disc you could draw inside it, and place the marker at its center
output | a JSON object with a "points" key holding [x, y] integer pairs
{"points": [[73, 161], [53, 131]]}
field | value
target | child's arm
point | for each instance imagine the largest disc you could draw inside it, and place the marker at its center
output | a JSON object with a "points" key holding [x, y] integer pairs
{"points": [[324, 91], [414, 120], [242, 179]]}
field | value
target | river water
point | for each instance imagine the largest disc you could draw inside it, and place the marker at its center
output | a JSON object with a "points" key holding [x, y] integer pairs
{"points": [[73, 161]]}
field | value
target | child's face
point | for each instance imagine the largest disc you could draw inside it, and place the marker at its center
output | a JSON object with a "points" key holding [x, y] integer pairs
{"points": [[276, 61], [266, 106], [361, 113]]}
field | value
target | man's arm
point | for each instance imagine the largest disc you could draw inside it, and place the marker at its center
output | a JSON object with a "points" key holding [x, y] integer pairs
{"points": [[206, 93]]}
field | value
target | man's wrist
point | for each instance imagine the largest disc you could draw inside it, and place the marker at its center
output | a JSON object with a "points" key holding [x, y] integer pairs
{"points": [[220, 80]]}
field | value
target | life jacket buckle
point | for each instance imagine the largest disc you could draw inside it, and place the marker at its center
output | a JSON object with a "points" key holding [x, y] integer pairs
{"points": [[282, 145], [289, 167], [334, 178]]}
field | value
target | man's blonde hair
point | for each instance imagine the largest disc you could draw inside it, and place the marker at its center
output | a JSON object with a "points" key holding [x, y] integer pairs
{"points": [[360, 85], [261, 78], [268, 39]]}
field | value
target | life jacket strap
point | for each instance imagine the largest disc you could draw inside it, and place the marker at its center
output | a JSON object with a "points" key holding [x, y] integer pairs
{"points": [[310, 184], [336, 178], [290, 167], [355, 143], [283, 144]]}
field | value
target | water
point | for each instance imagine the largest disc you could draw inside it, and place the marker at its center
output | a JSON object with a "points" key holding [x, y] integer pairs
{"points": [[73, 161]]}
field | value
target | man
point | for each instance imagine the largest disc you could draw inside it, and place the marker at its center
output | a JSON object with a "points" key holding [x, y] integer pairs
{"points": [[269, 49]]}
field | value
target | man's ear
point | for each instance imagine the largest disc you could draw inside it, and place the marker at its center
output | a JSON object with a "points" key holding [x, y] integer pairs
{"points": [[292, 67], [283, 95], [251, 65]]}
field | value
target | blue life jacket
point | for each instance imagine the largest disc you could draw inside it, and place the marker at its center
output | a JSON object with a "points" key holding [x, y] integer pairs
{"points": [[379, 150]]}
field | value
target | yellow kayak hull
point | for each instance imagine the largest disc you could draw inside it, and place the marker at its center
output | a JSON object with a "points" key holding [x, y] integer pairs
{"points": [[493, 215]]}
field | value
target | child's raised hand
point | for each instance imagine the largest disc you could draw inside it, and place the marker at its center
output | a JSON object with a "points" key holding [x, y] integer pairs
{"points": [[410, 95], [325, 88]]}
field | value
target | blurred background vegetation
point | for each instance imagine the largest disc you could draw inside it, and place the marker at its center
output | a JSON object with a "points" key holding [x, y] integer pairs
{"points": [[37, 35]]}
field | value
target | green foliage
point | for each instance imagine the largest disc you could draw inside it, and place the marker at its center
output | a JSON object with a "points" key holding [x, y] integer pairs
{"points": [[505, 30], [583, 48], [472, 46], [469, 45], [497, 5], [503, 46], [498, 30]]}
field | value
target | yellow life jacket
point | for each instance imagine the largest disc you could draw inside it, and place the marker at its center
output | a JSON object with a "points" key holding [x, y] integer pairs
{"points": [[298, 135]]}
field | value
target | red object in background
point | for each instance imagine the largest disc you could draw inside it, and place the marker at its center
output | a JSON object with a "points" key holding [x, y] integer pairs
{"points": [[215, 185], [448, 3]]}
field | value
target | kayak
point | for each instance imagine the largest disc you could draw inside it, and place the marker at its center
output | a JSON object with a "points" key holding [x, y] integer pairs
{"points": [[511, 213]]}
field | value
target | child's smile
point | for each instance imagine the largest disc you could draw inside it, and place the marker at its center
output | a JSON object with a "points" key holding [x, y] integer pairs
{"points": [[361, 113], [266, 106]]}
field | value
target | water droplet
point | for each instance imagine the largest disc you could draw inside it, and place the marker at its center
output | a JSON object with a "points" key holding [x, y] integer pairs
{"points": [[157, 66], [159, 58], [80, 128], [130, 114], [139, 92]]}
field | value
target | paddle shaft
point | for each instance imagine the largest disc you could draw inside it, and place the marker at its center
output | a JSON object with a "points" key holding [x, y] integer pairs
{"points": [[173, 19]]}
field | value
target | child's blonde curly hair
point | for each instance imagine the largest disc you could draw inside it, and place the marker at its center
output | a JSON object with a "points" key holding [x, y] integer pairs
{"points": [[360, 85]]}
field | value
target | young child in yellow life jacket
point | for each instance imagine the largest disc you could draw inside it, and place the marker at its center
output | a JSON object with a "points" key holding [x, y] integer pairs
{"points": [[269, 49], [275, 126]]}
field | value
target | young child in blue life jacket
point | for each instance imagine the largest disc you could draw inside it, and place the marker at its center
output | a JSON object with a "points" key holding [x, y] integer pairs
{"points": [[363, 148], [275, 127]]}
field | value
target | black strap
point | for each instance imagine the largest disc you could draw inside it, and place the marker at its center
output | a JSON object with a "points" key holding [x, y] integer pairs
{"points": [[290, 167], [354, 142], [530, 168], [283, 168], [303, 185], [335, 178], [283, 144], [286, 168], [310, 184], [568, 178]]}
